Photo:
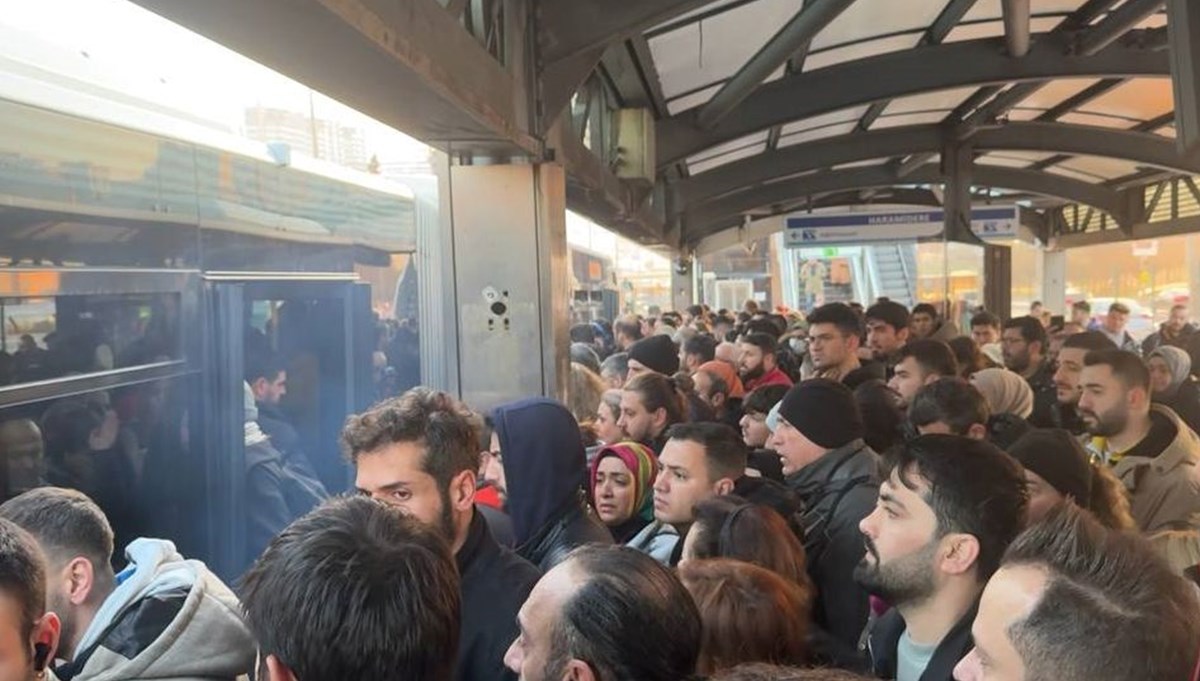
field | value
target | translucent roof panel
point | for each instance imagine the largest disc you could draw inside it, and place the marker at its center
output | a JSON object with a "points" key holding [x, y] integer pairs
{"points": [[731, 146], [993, 9], [1010, 159], [705, 52], [942, 99], [1101, 167], [915, 118], [817, 133], [819, 59], [696, 167], [873, 18], [1074, 174], [1166, 131], [1102, 120], [995, 29], [1054, 92], [1023, 113], [840, 116], [691, 100], [862, 164], [1139, 98], [710, 7]]}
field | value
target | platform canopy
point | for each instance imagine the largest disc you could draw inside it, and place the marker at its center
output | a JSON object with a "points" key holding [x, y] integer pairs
{"points": [[762, 107]]}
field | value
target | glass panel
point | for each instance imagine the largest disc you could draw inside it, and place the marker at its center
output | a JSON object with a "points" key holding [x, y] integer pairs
{"points": [[133, 450], [52, 337], [1027, 276]]}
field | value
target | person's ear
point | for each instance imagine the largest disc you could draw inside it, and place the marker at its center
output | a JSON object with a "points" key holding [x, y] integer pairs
{"points": [[46, 632], [278, 671], [959, 553], [462, 490], [660, 417], [578, 670], [81, 578], [902, 335], [977, 431], [718, 400], [723, 487]]}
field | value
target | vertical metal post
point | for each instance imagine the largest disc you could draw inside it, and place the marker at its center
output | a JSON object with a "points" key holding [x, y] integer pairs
{"points": [[957, 164], [1183, 31]]}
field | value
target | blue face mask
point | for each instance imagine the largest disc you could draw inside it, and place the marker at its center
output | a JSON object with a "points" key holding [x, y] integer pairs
{"points": [[798, 345]]}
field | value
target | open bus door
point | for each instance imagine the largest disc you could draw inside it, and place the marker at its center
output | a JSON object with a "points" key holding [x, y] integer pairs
{"points": [[321, 332]]}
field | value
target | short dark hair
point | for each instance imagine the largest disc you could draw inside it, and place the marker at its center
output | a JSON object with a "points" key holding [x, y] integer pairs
{"points": [[695, 310], [66, 523], [1083, 305], [22, 574], [1119, 307], [985, 318], [952, 401], [934, 356], [1089, 340], [356, 590], [703, 345], [724, 451], [924, 308], [763, 341], [728, 526], [768, 672], [717, 385], [1031, 329], [763, 326], [974, 488], [889, 312], [761, 400], [631, 619], [433, 419], [629, 328], [616, 363], [840, 315], [583, 333], [1125, 365], [1111, 608], [266, 365]]}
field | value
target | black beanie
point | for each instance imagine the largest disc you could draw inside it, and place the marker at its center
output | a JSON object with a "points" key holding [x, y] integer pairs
{"points": [[824, 411], [1059, 459], [658, 353]]}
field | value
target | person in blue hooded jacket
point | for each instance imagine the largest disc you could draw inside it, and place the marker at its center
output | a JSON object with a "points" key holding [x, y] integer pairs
{"points": [[542, 469]]}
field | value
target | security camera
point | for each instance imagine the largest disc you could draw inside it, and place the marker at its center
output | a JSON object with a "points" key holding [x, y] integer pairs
{"points": [[683, 266]]}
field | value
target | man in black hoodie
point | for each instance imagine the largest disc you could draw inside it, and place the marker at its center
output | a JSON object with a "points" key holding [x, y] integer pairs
{"points": [[419, 452], [540, 450]]}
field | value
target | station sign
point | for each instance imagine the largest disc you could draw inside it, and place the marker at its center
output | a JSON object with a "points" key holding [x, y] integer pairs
{"points": [[993, 222]]}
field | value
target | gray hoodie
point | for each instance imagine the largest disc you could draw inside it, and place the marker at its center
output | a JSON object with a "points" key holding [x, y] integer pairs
{"points": [[168, 618]]}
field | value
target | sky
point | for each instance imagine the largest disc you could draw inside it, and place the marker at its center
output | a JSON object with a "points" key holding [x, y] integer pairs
{"points": [[144, 54]]}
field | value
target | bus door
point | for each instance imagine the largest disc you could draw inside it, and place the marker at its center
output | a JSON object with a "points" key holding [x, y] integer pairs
{"points": [[315, 337]]}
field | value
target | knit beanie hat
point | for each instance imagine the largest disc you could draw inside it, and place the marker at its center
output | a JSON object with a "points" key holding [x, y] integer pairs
{"points": [[1058, 458], [824, 411], [658, 353]]}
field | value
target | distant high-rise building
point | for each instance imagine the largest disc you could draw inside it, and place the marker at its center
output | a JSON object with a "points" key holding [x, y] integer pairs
{"points": [[323, 139]]}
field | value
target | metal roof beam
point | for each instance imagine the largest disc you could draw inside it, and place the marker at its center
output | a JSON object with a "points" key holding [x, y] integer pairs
{"points": [[569, 28], [1140, 147], [1183, 28], [1080, 98], [727, 212], [803, 27], [1116, 24], [897, 74], [1016, 27], [410, 65]]}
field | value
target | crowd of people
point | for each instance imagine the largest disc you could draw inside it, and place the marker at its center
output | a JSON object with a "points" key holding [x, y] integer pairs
{"points": [[853, 493]]}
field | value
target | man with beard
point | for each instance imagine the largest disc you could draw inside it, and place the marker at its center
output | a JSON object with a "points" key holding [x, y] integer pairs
{"points": [[948, 507], [419, 452], [1177, 332], [1024, 343], [28, 634], [1066, 377], [607, 612], [887, 331], [834, 332], [758, 364], [1150, 448]]}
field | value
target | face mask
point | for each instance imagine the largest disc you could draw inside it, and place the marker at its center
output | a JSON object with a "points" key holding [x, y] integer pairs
{"points": [[798, 345]]}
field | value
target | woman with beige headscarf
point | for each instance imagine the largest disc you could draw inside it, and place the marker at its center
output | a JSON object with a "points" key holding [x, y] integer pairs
{"points": [[1006, 392]]}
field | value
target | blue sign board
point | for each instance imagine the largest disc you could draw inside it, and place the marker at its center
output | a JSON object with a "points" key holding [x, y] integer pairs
{"points": [[859, 228]]}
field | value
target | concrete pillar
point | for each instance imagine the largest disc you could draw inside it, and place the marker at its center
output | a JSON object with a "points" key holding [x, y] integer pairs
{"points": [[511, 281], [1054, 282]]}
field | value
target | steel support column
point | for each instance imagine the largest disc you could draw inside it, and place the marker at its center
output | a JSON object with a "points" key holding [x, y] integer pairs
{"points": [[1183, 27], [1016, 27], [957, 165]]}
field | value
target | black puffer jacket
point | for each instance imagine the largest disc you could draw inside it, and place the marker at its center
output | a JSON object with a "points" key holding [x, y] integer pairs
{"points": [[546, 474]]}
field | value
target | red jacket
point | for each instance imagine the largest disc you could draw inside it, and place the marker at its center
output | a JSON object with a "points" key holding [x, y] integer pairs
{"points": [[773, 377]]}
